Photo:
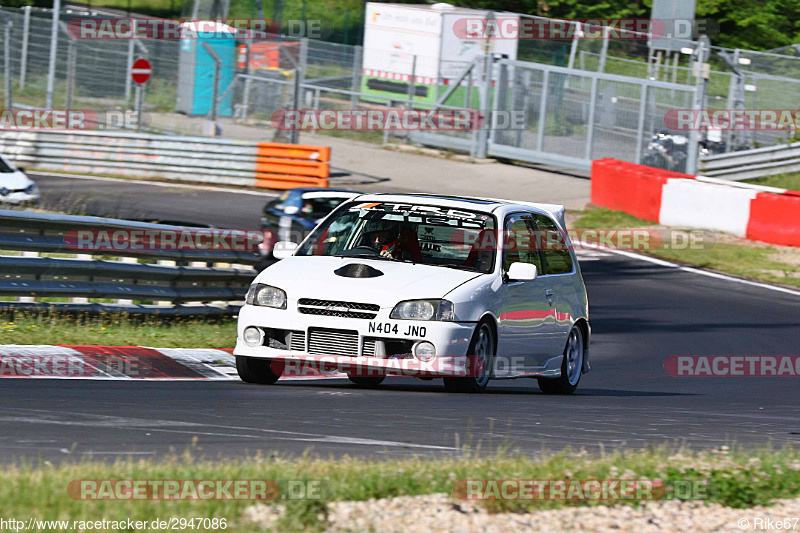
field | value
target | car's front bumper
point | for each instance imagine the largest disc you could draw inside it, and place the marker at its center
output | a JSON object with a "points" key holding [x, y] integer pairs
{"points": [[450, 340], [18, 198]]}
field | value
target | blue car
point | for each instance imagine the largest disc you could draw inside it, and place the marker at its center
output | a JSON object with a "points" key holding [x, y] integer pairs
{"points": [[296, 212]]}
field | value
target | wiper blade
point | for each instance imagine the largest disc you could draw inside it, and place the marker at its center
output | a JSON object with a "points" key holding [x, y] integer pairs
{"points": [[458, 267]]}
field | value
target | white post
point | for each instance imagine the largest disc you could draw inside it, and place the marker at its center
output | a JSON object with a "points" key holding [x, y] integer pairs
{"points": [[51, 68], [7, 63], [23, 59]]}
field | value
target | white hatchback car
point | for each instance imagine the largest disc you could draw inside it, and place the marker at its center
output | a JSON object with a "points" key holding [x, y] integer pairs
{"points": [[395, 284], [15, 186]]}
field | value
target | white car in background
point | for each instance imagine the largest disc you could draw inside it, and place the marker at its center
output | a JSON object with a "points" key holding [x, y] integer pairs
{"points": [[15, 186], [424, 280]]}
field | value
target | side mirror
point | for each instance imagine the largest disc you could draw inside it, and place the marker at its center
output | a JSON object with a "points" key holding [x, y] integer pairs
{"points": [[284, 249], [21, 169], [522, 272]]}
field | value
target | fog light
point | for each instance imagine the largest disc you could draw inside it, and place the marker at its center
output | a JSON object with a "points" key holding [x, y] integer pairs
{"points": [[253, 336], [424, 351]]}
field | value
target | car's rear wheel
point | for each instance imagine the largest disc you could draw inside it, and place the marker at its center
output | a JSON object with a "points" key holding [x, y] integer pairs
{"points": [[481, 347], [571, 366], [255, 370], [366, 382]]}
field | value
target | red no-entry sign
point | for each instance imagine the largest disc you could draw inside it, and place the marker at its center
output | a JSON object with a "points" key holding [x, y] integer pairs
{"points": [[141, 70]]}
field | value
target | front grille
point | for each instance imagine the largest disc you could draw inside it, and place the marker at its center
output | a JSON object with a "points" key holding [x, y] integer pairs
{"points": [[310, 306], [297, 341], [369, 348], [332, 342]]}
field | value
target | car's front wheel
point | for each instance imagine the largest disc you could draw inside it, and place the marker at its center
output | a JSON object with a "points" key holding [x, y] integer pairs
{"points": [[571, 366], [255, 370], [481, 350]]}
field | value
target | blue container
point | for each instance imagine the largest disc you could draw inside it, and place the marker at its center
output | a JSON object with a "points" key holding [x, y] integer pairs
{"points": [[196, 75]]}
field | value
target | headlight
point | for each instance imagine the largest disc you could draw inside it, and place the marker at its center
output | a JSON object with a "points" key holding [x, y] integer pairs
{"points": [[32, 188], [266, 296], [423, 310]]}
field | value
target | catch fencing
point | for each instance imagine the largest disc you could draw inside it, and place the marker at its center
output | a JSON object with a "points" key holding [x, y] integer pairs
{"points": [[583, 98], [42, 269]]}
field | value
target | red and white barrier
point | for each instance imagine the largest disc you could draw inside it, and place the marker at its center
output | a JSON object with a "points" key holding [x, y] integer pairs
{"points": [[767, 214]]}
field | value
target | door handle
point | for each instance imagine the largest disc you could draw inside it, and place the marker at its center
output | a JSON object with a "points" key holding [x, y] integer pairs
{"points": [[549, 295]]}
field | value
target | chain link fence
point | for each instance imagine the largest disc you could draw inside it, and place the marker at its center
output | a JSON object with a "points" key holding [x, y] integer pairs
{"points": [[604, 95]]}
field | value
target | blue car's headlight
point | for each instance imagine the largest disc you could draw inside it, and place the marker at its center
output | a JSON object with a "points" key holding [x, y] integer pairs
{"points": [[423, 310], [266, 296]]}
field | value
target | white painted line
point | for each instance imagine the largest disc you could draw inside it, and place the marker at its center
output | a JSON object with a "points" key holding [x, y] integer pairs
{"points": [[153, 183], [667, 264]]}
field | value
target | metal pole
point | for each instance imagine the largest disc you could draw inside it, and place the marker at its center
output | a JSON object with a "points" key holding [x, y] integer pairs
{"points": [[590, 125], [23, 58], [703, 47], [500, 102], [51, 68], [139, 105], [356, 85], [71, 60], [542, 111], [246, 98], [298, 86], [410, 92], [7, 64], [486, 98], [573, 48], [217, 69], [604, 51], [468, 92], [486, 92], [640, 125], [128, 80]]}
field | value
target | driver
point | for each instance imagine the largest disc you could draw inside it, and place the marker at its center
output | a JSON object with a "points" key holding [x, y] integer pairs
{"points": [[385, 240]]}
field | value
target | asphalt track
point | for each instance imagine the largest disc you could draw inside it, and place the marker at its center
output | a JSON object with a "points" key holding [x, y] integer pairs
{"points": [[641, 313]]}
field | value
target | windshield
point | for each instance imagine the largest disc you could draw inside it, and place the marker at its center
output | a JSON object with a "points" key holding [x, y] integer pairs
{"points": [[423, 234], [4, 167], [318, 207]]}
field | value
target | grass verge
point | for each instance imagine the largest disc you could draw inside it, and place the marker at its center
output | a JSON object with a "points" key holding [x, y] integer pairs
{"points": [[27, 327], [735, 478], [748, 259], [789, 181]]}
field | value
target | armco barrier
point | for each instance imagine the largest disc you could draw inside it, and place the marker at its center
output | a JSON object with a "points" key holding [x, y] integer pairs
{"points": [[766, 214], [212, 281], [197, 159]]}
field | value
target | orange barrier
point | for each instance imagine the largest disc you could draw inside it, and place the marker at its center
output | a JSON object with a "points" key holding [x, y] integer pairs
{"points": [[286, 166], [635, 189], [775, 218]]}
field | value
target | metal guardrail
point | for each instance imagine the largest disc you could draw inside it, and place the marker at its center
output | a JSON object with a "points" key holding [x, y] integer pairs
{"points": [[753, 163], [195, 159], [212, 276]]}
